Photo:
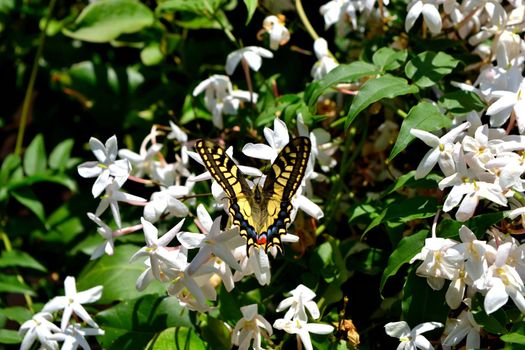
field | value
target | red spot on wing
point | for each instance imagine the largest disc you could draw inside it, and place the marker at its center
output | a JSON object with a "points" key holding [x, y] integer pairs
{"points": [[261, 240]]}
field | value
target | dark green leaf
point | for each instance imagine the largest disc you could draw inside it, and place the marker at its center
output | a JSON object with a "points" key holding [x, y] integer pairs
{"points": [[424, 116], [11, 284], [344, 73], [406, 210], [103, 21], [407, 248], [421, 303], [427, 68], [251, 6], [59, 157], [461, 102], [17, 313], [8, 336], [177, 338], [389, 59], [20, 259], [494, 323], [133, 323], [27, 198], [375, 90], [35, 159], [216, 334], [117, 275]]}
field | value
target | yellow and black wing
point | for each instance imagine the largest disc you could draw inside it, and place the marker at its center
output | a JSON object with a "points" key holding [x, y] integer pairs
{"points": [[228, 175], [283, 180]]}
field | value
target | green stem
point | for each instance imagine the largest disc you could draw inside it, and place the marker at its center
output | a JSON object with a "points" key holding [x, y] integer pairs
{"points": [[32, 79], [309, 28]]}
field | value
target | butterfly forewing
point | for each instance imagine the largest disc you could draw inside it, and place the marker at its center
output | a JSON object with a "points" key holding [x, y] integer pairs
{"points": [[228, 175]]}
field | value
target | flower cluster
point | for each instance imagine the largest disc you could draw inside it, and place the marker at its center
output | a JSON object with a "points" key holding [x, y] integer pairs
{"points": [[70, 333], [494, 268], [254, 327]]}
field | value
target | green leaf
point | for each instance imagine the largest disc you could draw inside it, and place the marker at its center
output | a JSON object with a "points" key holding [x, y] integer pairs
{"points": [[11, 162], [10, 284], [176, 339], [375, 90], [344, 73], [515, 338], [8, 336], [59, 157], [421, 303], [424, 116], [216, 334], [27, 198], [493, 323], [251, 6], [407, 248], [35, 159], [133, 323], [199, 7], [389, 59], [427, 68], [20, 259], [461, 102], [17, 313], [117, 275], [151, 55], [103, 21], [407, 210]]}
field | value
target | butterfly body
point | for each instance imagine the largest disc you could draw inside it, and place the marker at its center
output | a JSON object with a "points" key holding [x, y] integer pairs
{"points": [[262, 212]]}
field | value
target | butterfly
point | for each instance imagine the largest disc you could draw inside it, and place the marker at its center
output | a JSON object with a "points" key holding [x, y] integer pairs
{"points": [[262, 212]]}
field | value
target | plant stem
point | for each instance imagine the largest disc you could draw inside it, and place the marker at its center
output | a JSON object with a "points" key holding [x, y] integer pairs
{"points": [[32, 79]]}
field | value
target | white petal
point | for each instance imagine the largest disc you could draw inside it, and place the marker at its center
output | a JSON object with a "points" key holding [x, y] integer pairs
{"points": [[432, 18], [259, 151], [496, 297]]}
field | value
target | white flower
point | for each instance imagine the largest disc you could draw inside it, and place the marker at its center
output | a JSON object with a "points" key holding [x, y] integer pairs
{"points": [[220, 98], [276, 138], [167, 200], [155, 247], [279, 34], [510, 100], [429, 9], [192, 288], [212, 241], [411, 339], [142, 162], [302, 297], [74, 336], [252, 55], [107, 167], [111, 198], [441, 152], [179, 135], [439, 262], [257, 263], [251, 327], [107, 233], [38, 327], [458, 329], [468, 188], [502, 280], [72, 302], [325, 63], [302, 329]]}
